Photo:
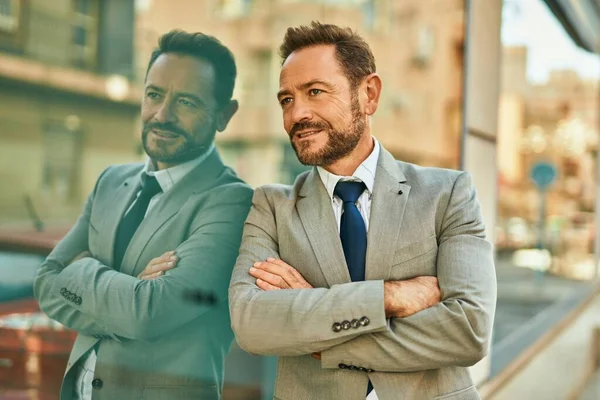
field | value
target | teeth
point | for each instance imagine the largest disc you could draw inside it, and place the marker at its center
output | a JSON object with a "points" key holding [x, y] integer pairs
{"points": [[302, 135]]}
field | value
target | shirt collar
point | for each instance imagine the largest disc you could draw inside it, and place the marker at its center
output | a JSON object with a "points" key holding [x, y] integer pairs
{"points": [[364, 173], [167, 178]]}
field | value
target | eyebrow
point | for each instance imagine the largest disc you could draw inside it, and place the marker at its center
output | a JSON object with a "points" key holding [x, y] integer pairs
{"points": [[179, 94], [306, 85]]}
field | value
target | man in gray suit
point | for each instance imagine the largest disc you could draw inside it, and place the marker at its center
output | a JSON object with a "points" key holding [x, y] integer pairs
{"points": [[368, 272], [153, 237]]}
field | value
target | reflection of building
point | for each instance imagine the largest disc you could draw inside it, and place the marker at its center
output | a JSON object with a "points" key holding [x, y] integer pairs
{"points": [[556, 121], [58, 125], [419, 115]]}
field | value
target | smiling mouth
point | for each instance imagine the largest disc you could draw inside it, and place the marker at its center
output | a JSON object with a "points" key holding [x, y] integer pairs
{"points": [[165, 134], [307, 134]]}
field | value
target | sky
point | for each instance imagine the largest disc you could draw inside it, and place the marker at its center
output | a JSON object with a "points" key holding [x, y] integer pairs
{"points": [[530, 23]]}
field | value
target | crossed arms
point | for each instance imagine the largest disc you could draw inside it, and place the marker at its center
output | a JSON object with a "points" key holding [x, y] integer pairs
{"points": [[115, 304], [298, 320]]}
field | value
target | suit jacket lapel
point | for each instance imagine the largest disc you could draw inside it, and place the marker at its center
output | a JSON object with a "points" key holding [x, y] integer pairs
{"points": [[198, 180], [390, 195], [318, 220]]}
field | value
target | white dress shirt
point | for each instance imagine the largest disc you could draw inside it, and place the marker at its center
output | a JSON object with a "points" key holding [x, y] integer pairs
{"points": [[167, 178], [365, 173]]}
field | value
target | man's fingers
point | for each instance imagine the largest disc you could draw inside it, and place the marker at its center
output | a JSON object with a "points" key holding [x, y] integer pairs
{"points": [[151, 276], [153, 269], [272, 279], [265, 285], [277, 269], [168, 256], [291, 274], [161, 266], [292, 278], [164, 266]]}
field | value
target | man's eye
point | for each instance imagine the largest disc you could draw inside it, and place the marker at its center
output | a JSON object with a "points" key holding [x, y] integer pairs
{"points": [[314, 92], [152, 95], [285, 101], [186, 103]]}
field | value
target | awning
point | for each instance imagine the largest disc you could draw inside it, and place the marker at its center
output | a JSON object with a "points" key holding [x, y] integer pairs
{"points": [[581, 20]]}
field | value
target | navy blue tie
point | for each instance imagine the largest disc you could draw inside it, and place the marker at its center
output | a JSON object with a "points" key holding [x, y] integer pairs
{"points": [[353, 232]]}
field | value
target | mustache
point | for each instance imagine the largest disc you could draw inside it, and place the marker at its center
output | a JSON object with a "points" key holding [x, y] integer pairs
{"points": [[301, 126], [165, 127]]}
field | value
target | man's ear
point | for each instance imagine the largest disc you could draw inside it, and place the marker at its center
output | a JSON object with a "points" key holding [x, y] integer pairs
{"points": [[225, 114], [372, 91]]}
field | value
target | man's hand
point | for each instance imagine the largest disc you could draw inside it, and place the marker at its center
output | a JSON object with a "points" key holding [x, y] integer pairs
{"points": [[405, 298], [275, 274], [81, 255], [157, 266]]}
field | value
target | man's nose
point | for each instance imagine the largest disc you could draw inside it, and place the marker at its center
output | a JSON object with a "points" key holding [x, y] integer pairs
{"points": [[166, 112], [301, 112]]}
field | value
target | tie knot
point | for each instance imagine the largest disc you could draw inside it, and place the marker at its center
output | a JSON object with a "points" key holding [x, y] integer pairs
{"points": [[150, 186], [349, 191]]}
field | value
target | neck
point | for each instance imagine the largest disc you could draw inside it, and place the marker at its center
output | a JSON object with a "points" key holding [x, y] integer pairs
{"points": [[160, 165], [346, 166]]}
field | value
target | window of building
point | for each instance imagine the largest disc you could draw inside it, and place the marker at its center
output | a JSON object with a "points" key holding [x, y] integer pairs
{"points": [[61, 162], [84, 33], [9, 16]]}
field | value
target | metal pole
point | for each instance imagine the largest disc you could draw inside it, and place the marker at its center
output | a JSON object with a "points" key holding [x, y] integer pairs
{"points": [[542, 220]]}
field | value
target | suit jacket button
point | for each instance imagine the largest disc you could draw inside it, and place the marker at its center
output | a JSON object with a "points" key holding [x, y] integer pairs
{"points": [[364, 321], [354, 368], [78, 300], [72, 297], [97, 383], [63, 291], [336, 327], [370, 370], [346, 325], [362, 369], [355, 323], [343, 366]]}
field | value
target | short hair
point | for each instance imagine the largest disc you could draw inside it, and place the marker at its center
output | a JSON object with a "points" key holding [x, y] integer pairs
{"points": [[206, 48], [351, 51]]}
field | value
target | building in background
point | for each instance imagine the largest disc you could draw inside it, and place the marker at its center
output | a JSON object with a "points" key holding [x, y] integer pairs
{"points": [[555, 121], [68, 107], [71, 72], [418, 45]]}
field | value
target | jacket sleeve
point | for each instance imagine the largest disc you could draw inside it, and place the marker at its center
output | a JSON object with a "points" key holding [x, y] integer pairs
{"points": [[60, 306], [295, 321], [457, 331], [145, 310]]}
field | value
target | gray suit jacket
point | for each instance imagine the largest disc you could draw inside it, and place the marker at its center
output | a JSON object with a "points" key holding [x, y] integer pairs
{"points": [[153, 343], [423, 221]]}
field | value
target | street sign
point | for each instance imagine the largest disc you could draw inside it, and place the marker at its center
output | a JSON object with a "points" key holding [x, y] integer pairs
{"points": [[543, 174]]}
